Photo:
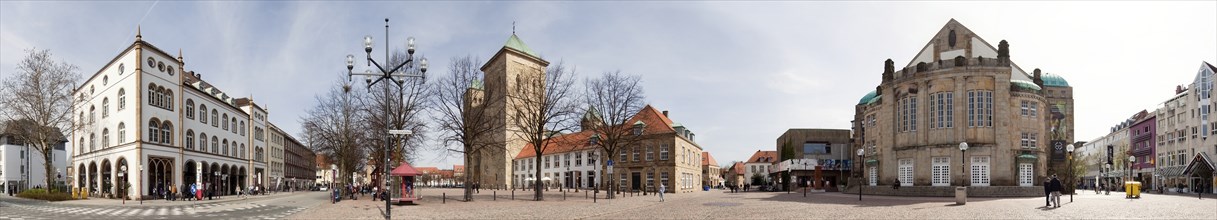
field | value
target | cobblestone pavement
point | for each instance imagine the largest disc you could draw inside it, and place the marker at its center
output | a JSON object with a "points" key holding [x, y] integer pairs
{"points": [[258, 207], [717, 204]]}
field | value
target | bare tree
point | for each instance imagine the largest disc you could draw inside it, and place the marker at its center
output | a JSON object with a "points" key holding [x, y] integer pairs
{"points": [[331, 128], [466, 125], [39, 104], [545, 107], [405, 106], [613, 99]]}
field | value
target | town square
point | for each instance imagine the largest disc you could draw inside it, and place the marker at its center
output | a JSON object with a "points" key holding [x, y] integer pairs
{"points": [[607, 110]]}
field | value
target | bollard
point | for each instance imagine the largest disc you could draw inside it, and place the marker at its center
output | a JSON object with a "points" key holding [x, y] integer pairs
{"points": [[496, 196], [563, 195], [513, 195], [594, 197], [445, 198], [584, 194]]}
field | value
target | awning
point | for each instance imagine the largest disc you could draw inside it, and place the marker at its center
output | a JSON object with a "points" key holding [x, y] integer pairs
{"points": [[1200, 162], [1170, 171]]}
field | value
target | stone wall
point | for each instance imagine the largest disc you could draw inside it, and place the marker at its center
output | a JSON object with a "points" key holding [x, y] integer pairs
{"points": [[949, 191]]}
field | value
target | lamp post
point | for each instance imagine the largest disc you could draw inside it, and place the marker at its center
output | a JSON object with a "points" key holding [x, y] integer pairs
{"points": [[1106, 187], [122, 171], [862, 157], [214, 175], [141, 174], [1069, 149], [1131, 161], [789, 176], [963, 155], [392, 75]]}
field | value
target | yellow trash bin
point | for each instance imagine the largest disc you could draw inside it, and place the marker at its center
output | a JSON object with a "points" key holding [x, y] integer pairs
{"points": [[1132, 189]]}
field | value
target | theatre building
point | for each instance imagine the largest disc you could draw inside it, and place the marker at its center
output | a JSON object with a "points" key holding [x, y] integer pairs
{"points": [[961, 89]]}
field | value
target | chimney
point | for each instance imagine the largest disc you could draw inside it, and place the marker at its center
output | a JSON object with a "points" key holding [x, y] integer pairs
{"points": [[665, 113], [1178, 89]]}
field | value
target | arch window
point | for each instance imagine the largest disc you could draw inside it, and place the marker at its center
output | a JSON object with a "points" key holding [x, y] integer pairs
{"points": [[215, 118], [92, 142], [225, 122], [167, 132], [154, 133], [122, 99], [224, 150], [122, 133], [189, 109], [242, 128], [82, 146], [105, 107], [105, 138], [203, 142], [190, 139], [203, 113], [168, 99], [215, 145], [242, 150], [234, 124], [152, 95], [92, 109]]}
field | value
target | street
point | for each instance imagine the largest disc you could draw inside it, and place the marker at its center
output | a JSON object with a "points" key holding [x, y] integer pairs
{"points": [[276, 206]]}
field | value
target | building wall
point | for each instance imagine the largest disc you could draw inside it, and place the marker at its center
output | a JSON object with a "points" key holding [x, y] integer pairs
{"points": [[22, 166], [561, 166], [503, 73], [1001, 144], [683, 165]]}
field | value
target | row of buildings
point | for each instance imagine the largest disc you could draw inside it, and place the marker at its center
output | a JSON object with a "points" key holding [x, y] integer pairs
{"points": [[1167, 148], [148, 124]]}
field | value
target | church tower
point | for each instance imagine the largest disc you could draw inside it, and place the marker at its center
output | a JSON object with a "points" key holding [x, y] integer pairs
{"points": [[505, 74]]}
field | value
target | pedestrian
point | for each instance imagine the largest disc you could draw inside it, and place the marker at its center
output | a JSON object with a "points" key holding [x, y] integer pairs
{"points": [[897, 185], [1047, 192], [662, 188], [172, 193], [1056, 191]]}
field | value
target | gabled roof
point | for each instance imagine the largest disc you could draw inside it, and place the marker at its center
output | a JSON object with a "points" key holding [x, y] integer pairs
{"points": [[738, 167], [706, 159], [561, 144], [656, 122], [984, 48], [763, 157], [404, 169], [427, 170]]}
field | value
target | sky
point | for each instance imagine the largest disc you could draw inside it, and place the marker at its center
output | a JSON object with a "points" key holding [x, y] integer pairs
{"points": [[738, 74]]}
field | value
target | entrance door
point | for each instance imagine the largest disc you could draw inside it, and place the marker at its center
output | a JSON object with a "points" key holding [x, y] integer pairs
{"points": [[636, 179]]}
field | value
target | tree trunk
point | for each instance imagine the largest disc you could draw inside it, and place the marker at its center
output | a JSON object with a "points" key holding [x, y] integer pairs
{"points": [[48, 153], [468, 184], [537, 185]]}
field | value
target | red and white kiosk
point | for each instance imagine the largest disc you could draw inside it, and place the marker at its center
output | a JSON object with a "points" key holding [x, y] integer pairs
{"points": [[403, 177]]}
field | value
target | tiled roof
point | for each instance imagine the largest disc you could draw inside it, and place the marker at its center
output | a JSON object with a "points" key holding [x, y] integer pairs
{"points": [[656, 123], [738, 167], [427, 170], [763, 157], [706, 159], [561, 144]]}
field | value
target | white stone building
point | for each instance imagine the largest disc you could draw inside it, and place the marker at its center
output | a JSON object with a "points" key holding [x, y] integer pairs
{"points": [[21, 165], [152, 124]]}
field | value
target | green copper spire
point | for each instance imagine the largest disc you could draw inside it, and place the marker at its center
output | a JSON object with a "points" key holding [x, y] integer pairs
{"points": [[515, 43]]}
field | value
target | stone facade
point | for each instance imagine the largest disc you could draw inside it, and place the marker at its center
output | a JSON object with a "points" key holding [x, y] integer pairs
{"points": [[911, 127], [513, 63], [827, 148]]}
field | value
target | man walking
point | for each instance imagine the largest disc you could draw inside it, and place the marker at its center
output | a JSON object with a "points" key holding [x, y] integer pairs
{"points": [[1056, 191], [1047, 192], [662, 188]]}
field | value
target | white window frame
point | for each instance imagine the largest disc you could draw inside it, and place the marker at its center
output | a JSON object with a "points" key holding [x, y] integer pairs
{"points": [[980, 171], [874, 176], [941, 171], [905, 172], [1026, 172]]}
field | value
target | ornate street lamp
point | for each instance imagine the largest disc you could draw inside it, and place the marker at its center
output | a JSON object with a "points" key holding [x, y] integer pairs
{"points": [[1131, 160], [392, 75], [1069, 149]]}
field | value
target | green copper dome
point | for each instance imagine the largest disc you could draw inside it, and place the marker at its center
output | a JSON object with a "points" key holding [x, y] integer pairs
{"points": [[1054, 80], [515, 43], [866, 99], [1026, 85]]}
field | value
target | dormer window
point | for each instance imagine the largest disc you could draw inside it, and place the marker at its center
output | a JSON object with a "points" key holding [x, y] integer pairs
{"points": [[594, 140], [639, 127]]}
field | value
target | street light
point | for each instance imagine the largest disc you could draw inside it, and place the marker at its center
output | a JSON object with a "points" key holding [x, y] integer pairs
{"points": [[1106, 175], [122, 171], [963, 155], [1069, 149], [392, 75], [861, 156], [1131, 160]]}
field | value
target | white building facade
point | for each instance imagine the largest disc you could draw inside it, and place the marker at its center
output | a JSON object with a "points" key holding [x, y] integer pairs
{"points": [[151, 125], [570, 168], [21, 166]]}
